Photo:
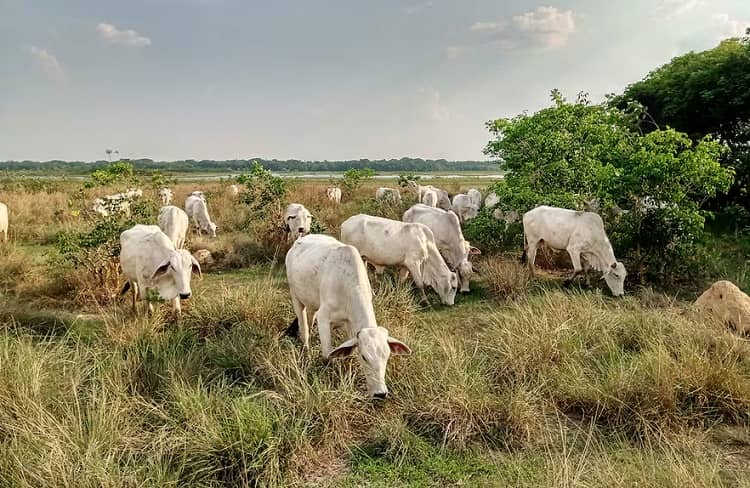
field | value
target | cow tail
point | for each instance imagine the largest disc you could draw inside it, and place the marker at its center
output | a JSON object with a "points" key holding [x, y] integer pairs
{"points": [[293, 329], [125, 288]]}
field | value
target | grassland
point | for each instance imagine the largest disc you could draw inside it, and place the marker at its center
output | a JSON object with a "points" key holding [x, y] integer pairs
{"points": [[522, 383]]}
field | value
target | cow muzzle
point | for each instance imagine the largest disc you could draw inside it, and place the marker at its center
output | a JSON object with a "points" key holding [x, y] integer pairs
{"points": [[184, 296]]}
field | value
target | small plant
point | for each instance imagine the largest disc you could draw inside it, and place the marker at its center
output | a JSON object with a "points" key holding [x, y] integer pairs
{"points": [[405, 178], [354, 178], [264, 190], [119, 172]]}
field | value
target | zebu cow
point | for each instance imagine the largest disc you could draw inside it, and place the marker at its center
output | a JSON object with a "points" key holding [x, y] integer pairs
{"points": [[4, 221], [174, 222], [581, 234], [476, 197], [464, 207], [297, 220], [448, 238], [491, 200], [328, 281], [388, 195], [443, 199], [150, 261], [118, 203], [385, 242], [233, 190], [333, 195], [166, 195], [430, 198], [197, 209]]}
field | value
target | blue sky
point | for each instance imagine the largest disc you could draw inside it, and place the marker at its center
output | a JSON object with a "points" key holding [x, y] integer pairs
{"points": [[317, 79]]}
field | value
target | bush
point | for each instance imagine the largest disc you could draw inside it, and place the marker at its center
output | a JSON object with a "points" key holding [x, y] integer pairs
{"points": [[113, 173], [264, 190], [354, 178]]}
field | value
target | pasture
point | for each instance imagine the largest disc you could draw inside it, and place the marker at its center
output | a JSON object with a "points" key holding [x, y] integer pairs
{"points": [[521, 383]]}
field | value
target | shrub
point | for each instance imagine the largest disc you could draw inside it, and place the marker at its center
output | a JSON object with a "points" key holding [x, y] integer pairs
{"points": [[264, 190], [354, 178], [111, 174]]}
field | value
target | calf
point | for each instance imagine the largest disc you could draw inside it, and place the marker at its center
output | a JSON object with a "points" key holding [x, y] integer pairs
{"points": [[328, 281], [411, 247], [150, 261], [166, 195], [174, 222]]}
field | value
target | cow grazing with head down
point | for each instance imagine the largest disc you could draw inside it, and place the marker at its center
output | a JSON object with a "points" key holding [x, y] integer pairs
{"points": [[333, 195], [491, 200], [430, 198], [443, 199], [464, 207], [388, 195], [174, 222], [476, 197], [197, 209], [328, 282], [448, 238], [166, 195], [411, 247], [4, 221], [297, 220], [581, 234], [150, 261]]}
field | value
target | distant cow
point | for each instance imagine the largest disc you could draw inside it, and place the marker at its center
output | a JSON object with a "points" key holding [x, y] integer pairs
{"points": [[411, 247], [443, 199], [116, 204], [464, 207], [491, 200], [476, 198], [334, 195], [150, 261], [388, 195], [233, 190], [197, 209], [448, 238], [166, 195], [328, 281], [581, 234], [174, 222], [430, 198], [297, 220], [4, 221], [509, 217]]}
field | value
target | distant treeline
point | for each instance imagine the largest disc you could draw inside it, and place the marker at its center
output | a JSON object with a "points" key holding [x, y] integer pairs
{"points": [[240, 165]]}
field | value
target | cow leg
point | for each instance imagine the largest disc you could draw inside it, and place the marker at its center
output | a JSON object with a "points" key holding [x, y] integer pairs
{"points": [[176, 306], [531, 255], [304, 327], [403, 273], [324, 330], [575, 256], [134, 286]]}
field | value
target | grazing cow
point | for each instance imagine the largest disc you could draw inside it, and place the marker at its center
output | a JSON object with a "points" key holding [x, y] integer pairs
{"points": [[297, 220], [118, 203], [4, 221], [334, 195], [174, 222], [443, 199], [464, 207], [448, 238], [388, 195], [328, 281], [150, 261], [385, 242], [476, 198], [581, 234], [491, 200], [166, 196], [430, 198], [233, 190], [197, 210]]}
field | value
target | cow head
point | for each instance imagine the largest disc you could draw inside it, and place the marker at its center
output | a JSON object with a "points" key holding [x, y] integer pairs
{"points": [[172, 277], [374, 346], [298, 224], [465, 268], [446, 286], [209, 228], [614, 276]]}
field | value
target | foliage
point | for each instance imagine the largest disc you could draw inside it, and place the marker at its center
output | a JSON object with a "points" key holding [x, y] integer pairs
{"points": [[264, 190], [405, 178], [120, 172], [573, 153], [701, 94], [355, 178], [158, 180]]}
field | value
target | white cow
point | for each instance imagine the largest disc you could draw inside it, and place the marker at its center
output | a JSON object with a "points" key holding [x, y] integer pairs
{"points": [[388, 195], [297, 220], [174, 222], [118, 203], [166, 196], [334, 195], [443, 199], [385, 242], [476, 197], [328, 281], [491, 200], [197, 210], [233, 190], [464, 207], [430, 198], [4, 221], [199, 194], [150, 261], [448, 238], [581, 234]]}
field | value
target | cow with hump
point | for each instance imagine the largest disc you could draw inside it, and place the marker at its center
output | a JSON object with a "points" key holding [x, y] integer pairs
{"points": [[411, 247], [150, 261], [448, 238], [328, 282], [174, 222], [581, 234]]}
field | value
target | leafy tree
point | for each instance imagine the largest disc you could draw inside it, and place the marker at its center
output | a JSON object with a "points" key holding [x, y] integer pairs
{"points": [[355, 178], [264, 190], [705, 93], [118, 172]]}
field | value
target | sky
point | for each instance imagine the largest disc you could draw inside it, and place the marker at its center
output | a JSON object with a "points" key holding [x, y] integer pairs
{"points": [[317, 79]]}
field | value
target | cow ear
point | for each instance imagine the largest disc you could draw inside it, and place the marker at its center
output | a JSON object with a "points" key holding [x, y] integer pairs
{"points": [[397, 347], [344, 349], [475, 270], [196, 267], [474, 251], [161, 270]]}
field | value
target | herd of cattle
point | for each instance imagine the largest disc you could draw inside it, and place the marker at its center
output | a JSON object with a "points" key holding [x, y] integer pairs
{"points": [[328, 278]]}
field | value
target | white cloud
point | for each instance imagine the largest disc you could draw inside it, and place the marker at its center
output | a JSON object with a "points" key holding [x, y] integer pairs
{"points": [[669, 9], [489, 27], [48, 63], [418, 7], [127, 37], [548, 26], [725, 26]]}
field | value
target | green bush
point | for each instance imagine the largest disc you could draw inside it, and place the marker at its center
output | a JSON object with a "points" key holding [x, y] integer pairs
{"points": [[355, 178], [264, 190], [114, 173]]}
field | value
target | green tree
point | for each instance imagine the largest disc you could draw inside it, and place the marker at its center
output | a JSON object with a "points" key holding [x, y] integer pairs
{"points": [[355, 178]]}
